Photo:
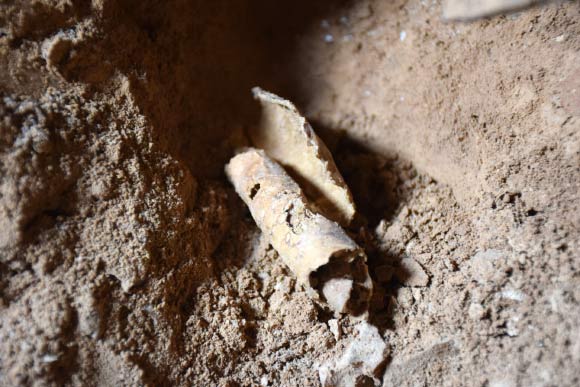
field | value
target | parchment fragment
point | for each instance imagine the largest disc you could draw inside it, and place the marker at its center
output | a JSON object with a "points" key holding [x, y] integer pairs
{"points": [[288, 138], [316, 249]]}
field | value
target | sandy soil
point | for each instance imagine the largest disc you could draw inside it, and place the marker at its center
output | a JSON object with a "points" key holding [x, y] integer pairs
{"points": [[126, 258]]}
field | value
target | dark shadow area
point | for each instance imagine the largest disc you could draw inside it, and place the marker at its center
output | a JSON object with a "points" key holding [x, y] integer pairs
{"points": [[372, 178], [192, 64], [378, 184]]}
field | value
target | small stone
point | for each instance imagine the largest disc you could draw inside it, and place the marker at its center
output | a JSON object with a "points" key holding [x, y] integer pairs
{"points": [[485, 266], [40, 140], [512, 326], [405, 298], [258, 306], [337, 293], [415, 370], [361, 361], [100, 189], [410, 273], [49, 358], [56, 50], [476, 312], [367, 350], [284, 284], [334, 328]]}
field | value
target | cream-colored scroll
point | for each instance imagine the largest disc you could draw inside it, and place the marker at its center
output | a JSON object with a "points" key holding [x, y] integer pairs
{"points": [[316, 249]]}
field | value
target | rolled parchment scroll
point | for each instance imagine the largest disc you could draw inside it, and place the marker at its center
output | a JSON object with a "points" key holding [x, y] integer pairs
{"points": [[319, 252]]}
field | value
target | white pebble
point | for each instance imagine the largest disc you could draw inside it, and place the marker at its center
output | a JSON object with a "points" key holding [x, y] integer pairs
{"points": [[347, 38], [49, 358], [514, 295], [511, 326], [334, 328]]}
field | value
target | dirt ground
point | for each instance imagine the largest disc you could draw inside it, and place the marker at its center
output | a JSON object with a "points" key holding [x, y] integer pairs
{"points": [[126, 258]]}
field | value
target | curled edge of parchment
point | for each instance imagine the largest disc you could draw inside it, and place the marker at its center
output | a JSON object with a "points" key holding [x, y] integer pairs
{"points": [[289, 139]]}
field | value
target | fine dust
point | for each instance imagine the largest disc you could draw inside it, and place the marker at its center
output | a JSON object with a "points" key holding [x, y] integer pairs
{"points": [[126, 257]]}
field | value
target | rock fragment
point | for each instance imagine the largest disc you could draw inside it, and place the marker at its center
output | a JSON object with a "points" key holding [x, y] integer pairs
{"points": [[415, 369], [289, 139], [488, 266], [476, 311], [410, 273], [363, 359], [335, 328], [473, 9]]}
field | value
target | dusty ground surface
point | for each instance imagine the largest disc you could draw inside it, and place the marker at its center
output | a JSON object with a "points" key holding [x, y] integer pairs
{"points": [[127, 259]]}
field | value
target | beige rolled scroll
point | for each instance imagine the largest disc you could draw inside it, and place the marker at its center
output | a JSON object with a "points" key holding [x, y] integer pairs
{"points": [[316, 249]]}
